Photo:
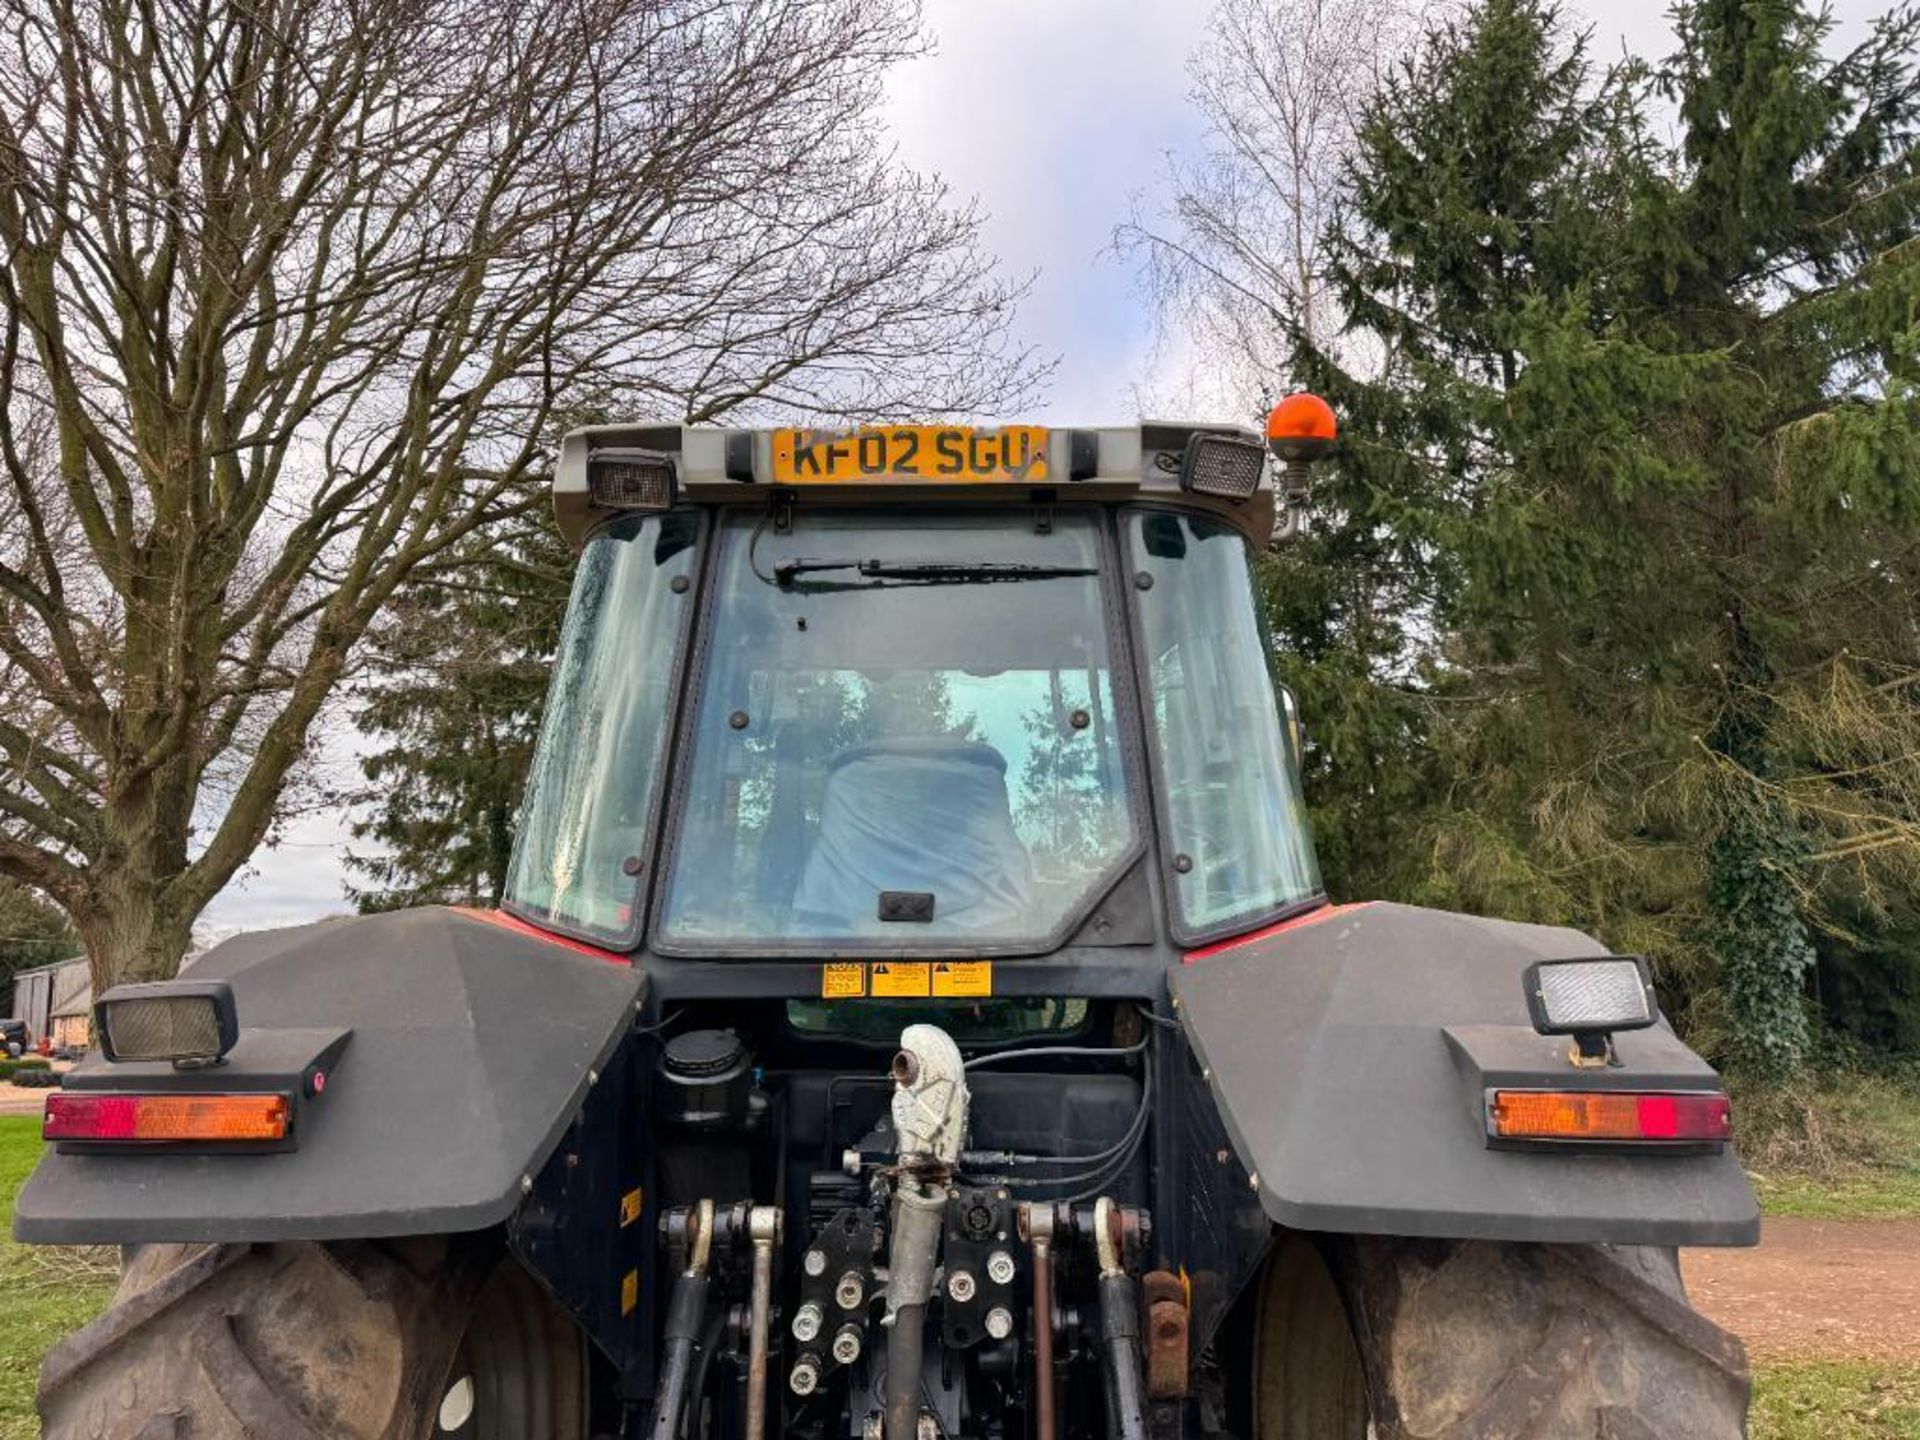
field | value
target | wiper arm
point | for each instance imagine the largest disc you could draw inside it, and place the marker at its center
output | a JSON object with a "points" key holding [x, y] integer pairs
{"points": [[931, 572]]}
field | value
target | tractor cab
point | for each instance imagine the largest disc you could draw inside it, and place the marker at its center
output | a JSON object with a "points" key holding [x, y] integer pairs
{"points": [[928, 690]]}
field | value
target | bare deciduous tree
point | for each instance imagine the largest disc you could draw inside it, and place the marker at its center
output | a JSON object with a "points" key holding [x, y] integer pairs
{"points": [[1232, 257], [295, 291]]}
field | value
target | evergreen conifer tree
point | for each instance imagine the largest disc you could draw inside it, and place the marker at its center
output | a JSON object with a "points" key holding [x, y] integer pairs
{"points": [[1646, 419], [453, 697]]}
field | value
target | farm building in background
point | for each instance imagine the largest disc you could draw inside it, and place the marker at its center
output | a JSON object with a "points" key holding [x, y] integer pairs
{"points": [[56, 1000]]}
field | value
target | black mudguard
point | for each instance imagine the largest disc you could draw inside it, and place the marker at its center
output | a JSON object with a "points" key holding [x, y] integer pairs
{"points": [[473, 1046], [1349, 1051]]}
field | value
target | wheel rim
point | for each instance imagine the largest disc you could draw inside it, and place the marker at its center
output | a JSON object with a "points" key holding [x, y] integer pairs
{"points": [[520, 1372], [1308, 1383]]}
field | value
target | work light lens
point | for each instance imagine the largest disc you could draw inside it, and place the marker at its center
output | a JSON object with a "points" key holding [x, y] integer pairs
{"points": [[1222, 466], [172, 1020], [1567, 996], [631, 479]]}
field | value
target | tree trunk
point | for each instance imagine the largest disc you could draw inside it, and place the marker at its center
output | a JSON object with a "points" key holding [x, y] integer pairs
{"points": [[129, 932]]}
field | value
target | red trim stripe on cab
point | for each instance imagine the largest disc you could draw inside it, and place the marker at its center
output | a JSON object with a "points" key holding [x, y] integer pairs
{"points": [[521, 927], [1298, 922]]}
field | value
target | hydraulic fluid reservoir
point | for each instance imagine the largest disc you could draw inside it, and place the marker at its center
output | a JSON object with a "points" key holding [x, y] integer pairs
{"points": [[708, 1081]]}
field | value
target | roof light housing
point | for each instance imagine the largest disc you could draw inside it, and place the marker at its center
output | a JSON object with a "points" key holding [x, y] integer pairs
{"points": [[630, 478], [1227, 467]]}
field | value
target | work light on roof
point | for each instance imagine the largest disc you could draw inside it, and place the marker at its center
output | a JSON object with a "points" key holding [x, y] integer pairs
{"points": [[1224, 466], [628, 478]]}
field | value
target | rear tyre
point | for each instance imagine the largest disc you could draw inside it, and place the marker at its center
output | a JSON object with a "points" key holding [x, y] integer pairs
{"points": [[1475, 1340], [352, 1341], [1308, 1379]]}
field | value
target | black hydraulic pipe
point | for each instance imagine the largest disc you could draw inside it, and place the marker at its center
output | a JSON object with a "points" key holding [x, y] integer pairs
{"points": [[686, 1309], [1120, 1357], [702, 1368]]}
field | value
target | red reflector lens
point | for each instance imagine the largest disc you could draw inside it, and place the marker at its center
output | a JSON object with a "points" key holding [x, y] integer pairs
{"points": [[157, 1119], [1619, 1115]]}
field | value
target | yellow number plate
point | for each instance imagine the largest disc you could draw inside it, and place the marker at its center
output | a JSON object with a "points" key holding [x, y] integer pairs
{"points": [[911, 455]]}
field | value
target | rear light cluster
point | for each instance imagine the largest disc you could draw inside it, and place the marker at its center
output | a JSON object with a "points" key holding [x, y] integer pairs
{"points": [[1635, 1117], [166, 1119]]}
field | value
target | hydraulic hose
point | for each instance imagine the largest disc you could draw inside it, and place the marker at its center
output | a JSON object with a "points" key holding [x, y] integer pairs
{"points": [[1119, 1331], [686, 1311], [1120, 1343]]}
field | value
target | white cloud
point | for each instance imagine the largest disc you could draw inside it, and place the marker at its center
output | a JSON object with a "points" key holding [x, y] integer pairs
{"points": [[301, 876], [1054, 113]]}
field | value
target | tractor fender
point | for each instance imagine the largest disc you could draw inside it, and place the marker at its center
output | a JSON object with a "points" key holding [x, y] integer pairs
{"points": [[1348, 1052], [474, 1040]]}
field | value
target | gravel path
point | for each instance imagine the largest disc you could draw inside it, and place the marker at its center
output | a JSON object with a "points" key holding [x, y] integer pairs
{"points": [[1841, 1289]]}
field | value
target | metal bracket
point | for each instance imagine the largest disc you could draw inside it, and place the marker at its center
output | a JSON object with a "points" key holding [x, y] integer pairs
{"points": [[1043, 512]]}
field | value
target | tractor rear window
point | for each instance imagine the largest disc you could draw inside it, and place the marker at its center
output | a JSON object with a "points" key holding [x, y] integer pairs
{"points": [[906, 737]]}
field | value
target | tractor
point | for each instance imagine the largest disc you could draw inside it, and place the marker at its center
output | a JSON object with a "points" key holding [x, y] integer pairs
{"points": [[913, 1013]]}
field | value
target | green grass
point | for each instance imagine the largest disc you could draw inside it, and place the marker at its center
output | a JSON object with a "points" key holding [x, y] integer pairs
{"points": [[43, 1293], [1836, 1400], [1883, 1196], [1837, 1147]]}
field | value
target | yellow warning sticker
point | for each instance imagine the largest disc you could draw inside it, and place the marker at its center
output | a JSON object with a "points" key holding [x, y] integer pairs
{"points": [[902, 979], [843, 980], [963, 977], [629, 1207], [629, 1291]]}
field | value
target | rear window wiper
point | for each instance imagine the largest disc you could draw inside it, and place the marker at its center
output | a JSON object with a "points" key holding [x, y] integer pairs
{"points": [[929, 572]]}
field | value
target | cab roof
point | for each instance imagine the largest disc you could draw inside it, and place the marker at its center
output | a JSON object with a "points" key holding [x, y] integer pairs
{"points": [[712, 465]]}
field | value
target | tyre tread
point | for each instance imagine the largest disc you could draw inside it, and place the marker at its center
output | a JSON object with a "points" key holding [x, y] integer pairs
{"points": [[1496, 1341], [197, 1354]]}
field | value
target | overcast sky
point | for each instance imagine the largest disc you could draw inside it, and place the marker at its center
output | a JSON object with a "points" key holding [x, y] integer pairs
{"points": [[1056, 114]]}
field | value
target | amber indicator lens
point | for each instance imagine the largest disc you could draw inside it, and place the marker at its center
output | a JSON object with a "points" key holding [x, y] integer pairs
{"points": [[1636, 1117], [164, 1119]]}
